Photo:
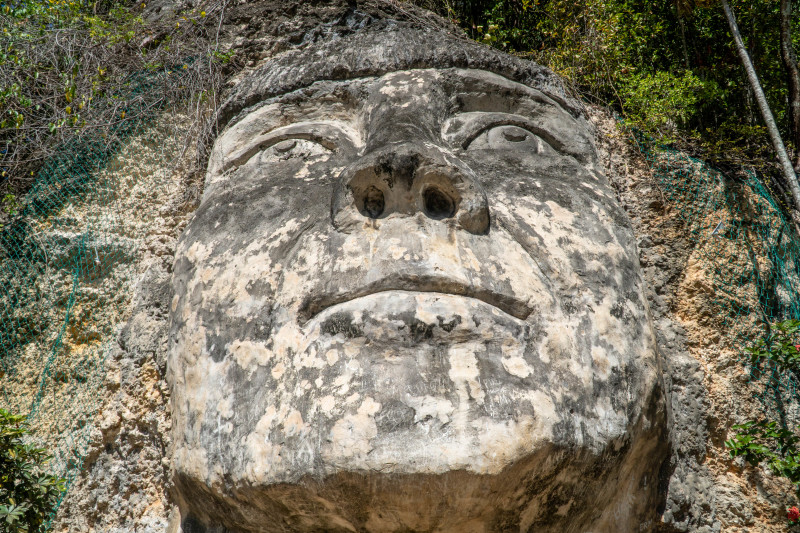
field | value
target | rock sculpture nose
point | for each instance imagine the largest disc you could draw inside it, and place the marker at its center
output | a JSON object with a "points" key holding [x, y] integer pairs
{"points": [[408, 180]]}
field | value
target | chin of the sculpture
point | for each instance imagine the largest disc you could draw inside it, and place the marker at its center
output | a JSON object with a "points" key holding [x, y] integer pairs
{"points": [[424, 412], [552, 489]]}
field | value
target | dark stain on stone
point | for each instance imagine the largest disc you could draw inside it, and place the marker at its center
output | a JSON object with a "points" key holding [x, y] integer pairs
{"points": [[216, 347], [505, 521], [394, 414], [448, 326], [420, 330], [397, 168], [192, 525], [341, 323], [238, 375]]}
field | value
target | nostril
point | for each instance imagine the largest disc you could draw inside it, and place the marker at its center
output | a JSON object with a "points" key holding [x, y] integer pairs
{"points": [[373, 202], [404, 184], [437, 204]]}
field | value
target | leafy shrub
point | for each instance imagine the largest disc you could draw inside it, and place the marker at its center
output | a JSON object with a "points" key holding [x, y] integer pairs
{"points": [[660, 103], [72, 71], [767, 441], [780, 349], [28, 494], [667, 67]]}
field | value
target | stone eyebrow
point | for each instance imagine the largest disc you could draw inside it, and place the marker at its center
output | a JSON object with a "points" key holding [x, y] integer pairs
{"points": [[330, 135], [481, 94]]}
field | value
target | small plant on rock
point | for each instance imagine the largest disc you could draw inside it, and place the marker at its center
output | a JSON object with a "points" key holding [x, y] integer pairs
{"points": [[28, 494], [780, 349], [768, 441]]}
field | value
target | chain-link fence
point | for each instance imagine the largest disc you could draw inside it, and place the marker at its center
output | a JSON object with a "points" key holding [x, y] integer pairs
{"points": [[68, 262], [748, 254]]}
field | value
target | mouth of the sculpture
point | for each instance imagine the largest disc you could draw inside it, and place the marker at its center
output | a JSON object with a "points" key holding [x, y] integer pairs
{"points": [[503, 300]]}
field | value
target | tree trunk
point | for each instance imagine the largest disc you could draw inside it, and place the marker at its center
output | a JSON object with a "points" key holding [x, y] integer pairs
{"points": [[793, 78], [786, 165], [683, 39]]}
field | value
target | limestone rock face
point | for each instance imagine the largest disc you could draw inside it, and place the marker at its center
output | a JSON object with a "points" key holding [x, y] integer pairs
{"points": [[409, 301]]}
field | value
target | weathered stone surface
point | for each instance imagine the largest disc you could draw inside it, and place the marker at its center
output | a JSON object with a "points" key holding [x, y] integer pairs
{"points": [[690, 500], [410, 301], [124, 484]]}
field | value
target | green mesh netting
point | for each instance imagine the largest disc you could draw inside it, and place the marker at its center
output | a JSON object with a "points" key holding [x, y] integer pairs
{"points": [[67, 265], [748, 254]]}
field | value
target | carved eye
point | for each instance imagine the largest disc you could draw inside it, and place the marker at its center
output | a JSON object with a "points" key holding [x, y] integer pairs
{"points": [[306, 141], [507, 137], [294, 148]]}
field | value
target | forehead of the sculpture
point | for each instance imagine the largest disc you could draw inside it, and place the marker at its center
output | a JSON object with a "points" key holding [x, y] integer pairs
{"points": [[377, 48]]}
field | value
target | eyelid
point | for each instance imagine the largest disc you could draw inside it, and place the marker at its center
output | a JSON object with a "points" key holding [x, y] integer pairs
{"points": [[332, 136], [464, 128]]}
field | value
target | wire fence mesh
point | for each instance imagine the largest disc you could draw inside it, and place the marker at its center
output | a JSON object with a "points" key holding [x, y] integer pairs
{"points": [[68, 263], [749, 254]]}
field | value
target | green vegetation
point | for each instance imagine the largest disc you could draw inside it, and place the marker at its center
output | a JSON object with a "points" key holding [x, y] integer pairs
{"points": [[70, 70], [771, 441], [78, 78], [669, 68], [28, 494], [780, 349], [767, 442]]}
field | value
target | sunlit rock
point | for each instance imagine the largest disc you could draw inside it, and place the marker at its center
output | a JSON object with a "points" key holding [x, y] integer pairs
{"points": [[409, 301]]}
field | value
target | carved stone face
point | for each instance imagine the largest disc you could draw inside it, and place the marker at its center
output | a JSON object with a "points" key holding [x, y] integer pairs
{"points": [[420, 279]]}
